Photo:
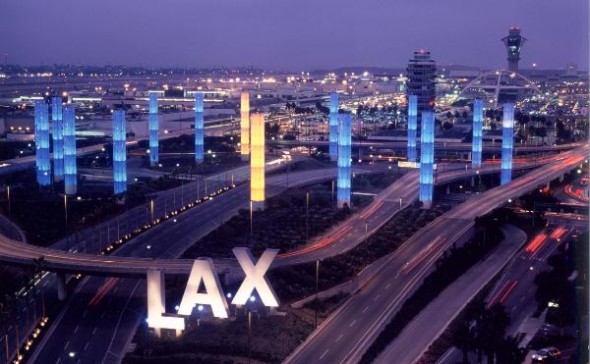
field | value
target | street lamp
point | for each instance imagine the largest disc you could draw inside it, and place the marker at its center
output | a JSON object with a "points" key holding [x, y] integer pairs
{"points": [[152, 209], [317, 287], [66, 222], [9, 210], [251, 217], [307, 216]]}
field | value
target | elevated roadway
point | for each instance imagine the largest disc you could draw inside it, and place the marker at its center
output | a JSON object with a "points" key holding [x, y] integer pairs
{"points": [[377, 214], [346, 335], [104, 332]]}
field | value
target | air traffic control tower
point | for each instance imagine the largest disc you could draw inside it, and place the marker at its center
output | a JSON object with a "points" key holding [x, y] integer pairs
{"points": [[514, 41]]}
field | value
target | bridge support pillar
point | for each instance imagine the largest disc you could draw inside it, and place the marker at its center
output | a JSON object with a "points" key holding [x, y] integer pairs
{"points": [[548, 186], [561, 178], [448, 190], [472, 181], [62, 290]]}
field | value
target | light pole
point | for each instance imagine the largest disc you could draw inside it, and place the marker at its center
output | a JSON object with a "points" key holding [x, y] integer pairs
{"points": [[251, 218], [333, 182], [152, 209], [66, 222], [118, 229], [174, 198], [465, 178], [287, 159], [317, 288], [249, 333], [181, 192], [400, 203], [9, 214], [307, 216]]}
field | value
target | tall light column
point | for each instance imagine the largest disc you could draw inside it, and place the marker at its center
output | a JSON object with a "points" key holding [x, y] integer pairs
{"points": [[426, 158], [199, 125], [507, 144], [153, 126], [344, 151], [245, 126], [333, 126], [70, 168], [58, 138], [42, 143], [412, 126], [477, 127], [119, 152], [257, 162]]}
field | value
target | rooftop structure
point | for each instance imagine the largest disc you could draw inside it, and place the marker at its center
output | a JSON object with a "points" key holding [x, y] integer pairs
{"points": [[421, 73]]}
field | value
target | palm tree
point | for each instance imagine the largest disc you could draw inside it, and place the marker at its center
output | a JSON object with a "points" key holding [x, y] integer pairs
{"points": [[491, 324], [508, 351], [7, 313], [464, 339]]}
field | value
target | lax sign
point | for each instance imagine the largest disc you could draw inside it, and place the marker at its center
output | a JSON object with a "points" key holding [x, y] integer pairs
{"points": [[203, 271]]}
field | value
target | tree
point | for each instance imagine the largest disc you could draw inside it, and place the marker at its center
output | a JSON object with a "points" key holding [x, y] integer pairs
{"points": [[8, 312], [490, 327], [542, 133], [464, 339], [509, 352]]}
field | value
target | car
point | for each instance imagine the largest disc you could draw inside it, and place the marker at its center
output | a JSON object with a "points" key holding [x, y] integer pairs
{"points": [[546, 354]]}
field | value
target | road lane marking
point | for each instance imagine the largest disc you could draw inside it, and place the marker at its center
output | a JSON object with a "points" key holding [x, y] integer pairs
{"points": [[352, 323], [86, 346], [388, 285], [76, 329], [376, 297], [94, 331], [338, 338], [366, 308], [67, 344], [324, 354]]}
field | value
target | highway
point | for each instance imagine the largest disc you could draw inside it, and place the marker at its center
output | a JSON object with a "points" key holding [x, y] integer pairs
{"points": [[379, 211], [135, 287], [516, 288], [375, 215], [347, 333], [417, 336], [131, 292], [438, 145], [225, 206], [19, 164], [385, 205]]}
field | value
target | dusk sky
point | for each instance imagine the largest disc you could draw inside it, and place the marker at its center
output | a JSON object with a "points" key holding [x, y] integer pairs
{"points": [[291, 35]]}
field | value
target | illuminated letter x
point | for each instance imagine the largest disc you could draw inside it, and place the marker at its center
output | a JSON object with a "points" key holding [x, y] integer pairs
{"points": [[255, 278]]}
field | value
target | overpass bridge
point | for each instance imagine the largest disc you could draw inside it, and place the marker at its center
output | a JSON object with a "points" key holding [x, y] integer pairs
{"points": [[401, 145], [15, 253]]}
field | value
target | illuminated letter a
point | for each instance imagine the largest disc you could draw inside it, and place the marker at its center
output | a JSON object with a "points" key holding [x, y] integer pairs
{"points": [[203, 271]]}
